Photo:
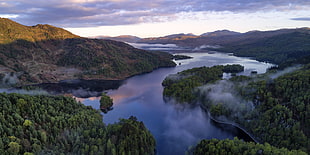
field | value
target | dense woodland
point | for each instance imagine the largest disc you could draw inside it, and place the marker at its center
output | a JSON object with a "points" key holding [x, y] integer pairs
{"points": [[282, 110], [280, 115], [60, 125], [181, 86], [236, 146], [280, 49], [105, 102]]}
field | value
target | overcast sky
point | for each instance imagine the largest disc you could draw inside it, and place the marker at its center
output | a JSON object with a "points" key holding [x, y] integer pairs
{"points": [[146, 18]]}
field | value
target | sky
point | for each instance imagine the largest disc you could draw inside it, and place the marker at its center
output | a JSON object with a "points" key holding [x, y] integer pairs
{"points": [[153, 18]]}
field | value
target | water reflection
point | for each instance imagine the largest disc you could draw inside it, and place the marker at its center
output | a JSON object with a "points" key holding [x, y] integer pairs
{"points": [[175, 127]]}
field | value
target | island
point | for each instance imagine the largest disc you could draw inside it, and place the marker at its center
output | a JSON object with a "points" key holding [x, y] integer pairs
{"points": [[106, 103], [181, 57]]}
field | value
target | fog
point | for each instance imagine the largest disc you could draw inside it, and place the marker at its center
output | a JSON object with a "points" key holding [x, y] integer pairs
{"points": [[185, 126], [206, 46], [224, 91], [157, 47], [9, 79], [23, 91], [285, 71]]}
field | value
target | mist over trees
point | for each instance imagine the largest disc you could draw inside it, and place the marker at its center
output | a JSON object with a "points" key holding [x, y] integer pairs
{"points": [[274, 107], [181, 86]]}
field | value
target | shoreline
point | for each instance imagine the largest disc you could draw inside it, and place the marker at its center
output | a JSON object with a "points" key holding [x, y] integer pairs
{"points": [[82, 88], [230, 123]]}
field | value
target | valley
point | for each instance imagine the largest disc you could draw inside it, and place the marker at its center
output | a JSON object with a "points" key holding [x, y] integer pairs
{"points": [[174, 91]]}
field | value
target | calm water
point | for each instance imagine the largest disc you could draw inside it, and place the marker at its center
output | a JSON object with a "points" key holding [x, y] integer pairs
{"points": [[175, 127]]}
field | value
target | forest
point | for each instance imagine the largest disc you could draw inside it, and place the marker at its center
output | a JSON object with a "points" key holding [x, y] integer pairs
{"points": [[181, 85], [236, 146], [279, 105], [281, 49], [60, 125]]}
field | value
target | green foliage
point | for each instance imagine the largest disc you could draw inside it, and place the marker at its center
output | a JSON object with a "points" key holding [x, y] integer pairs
{"points": [[281, 115], [181, 85], [181, 57], [219, 110], [281, 112], [279, 49], [281, 106], [27, 123], [235, 68], [129, 134], [105, 101], [14, 148], [60, 125], [236, 146]]}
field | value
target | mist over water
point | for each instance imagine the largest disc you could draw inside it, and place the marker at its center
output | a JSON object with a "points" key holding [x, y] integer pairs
{"points": [[157, 47], [224, 92], [175, 127]]}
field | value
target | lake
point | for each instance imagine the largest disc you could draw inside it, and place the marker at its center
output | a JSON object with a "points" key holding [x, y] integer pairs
{"points": [[175, 127]]}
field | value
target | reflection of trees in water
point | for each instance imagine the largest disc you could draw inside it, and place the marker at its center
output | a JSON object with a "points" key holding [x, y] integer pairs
{"points": [[80, 88]]}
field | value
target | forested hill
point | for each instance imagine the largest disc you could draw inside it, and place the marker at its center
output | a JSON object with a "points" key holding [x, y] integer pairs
{"points": [[283, 47], [43, 53], [280, 49], [274, 107], [59, 125], [11, 31]]}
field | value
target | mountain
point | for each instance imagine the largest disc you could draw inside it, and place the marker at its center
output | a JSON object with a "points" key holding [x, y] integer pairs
{"points": [[222, 38], [44, 53], [170, 39], [220, 33], [11, 31], [122, 38], [180, 35], [283, 48]]}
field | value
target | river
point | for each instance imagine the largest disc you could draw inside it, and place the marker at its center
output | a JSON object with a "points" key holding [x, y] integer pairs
{"points": [[174, 127]]}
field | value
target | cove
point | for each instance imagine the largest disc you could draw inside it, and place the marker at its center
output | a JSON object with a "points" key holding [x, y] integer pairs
{"points": [[175, 127]]}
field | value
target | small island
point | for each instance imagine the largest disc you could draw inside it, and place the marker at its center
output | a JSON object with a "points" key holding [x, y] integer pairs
{"points": [[106, 103], [181, 57]]}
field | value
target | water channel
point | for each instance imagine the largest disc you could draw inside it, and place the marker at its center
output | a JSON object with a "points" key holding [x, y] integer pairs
{"points": [[174, 127]]}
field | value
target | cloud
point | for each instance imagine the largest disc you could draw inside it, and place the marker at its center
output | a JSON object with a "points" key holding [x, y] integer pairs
{"points": [[86, 13], [302, 18]]}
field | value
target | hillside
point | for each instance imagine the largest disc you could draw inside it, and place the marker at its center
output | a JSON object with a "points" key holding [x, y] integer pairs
{"points": [[220, 33], [273, 108], [43, 53], [287, 46], [276, 49], [222, 37], [123, 38], [60, 125], [11, 31]]}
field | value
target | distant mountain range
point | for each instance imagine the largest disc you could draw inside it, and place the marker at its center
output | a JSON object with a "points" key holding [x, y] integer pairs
{"points": [[278, 46], [44, 53], [220, 37]]}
